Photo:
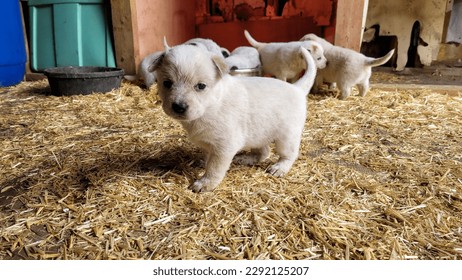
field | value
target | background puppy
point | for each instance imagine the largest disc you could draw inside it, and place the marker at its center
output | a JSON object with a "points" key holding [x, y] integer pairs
{"points": [[225, 114], [148, 78], [243, 58], [283, 60], [209, 45], [345, 67]]}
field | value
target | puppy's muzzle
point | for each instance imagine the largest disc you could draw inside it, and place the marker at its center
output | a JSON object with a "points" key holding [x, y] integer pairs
{"points": [[179, 108]]}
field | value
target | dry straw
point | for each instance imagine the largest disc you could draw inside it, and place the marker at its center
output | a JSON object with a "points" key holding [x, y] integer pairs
{"points": [[105, 176]]}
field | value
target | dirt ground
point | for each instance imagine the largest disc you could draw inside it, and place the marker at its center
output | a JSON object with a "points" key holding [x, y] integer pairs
{"points": [[443, 73]]}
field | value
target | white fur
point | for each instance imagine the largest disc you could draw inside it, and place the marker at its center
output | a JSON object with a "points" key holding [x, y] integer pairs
{"points": [[283, 60], [243, 58], [225, 114], [207, 44], [345, 67], [148, 78]]}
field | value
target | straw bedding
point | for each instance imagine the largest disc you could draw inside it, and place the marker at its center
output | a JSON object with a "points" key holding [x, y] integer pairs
{"points": [[105, 176]]}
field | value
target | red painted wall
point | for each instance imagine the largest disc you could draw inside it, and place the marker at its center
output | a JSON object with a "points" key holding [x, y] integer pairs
{"points": [[181, 20], [298, 18], [231, 34]]}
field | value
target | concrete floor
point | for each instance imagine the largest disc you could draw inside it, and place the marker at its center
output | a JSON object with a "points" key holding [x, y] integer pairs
{"points": [[445, 77], [441, 73]]}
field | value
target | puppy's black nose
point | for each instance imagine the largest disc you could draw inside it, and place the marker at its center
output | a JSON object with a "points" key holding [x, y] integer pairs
{"points": [[179, 108]]}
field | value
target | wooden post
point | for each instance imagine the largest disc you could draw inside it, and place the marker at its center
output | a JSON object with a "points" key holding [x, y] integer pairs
{"points": [[350, 21], [125, 29]]}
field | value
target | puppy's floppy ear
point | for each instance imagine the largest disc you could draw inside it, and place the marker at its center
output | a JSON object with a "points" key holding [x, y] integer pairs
{"points": [[221, 66], [156, 63], [314, 48], [309, 46]]}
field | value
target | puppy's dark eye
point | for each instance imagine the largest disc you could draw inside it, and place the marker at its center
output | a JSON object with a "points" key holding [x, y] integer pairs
{"points": [[200, 86], [167, 84], [319, 58]]}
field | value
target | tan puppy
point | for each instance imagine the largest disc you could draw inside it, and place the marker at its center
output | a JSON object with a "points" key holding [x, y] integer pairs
{"points": [[225, 114], [283, 60], [345, 67]]}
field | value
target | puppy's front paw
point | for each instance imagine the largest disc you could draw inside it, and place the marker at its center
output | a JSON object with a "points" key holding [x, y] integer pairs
{"points": [[279, 169], [202, 185]]}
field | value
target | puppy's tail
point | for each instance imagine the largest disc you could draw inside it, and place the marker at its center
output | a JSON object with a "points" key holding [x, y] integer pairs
{"points": [[254, 43], [373, 62], [307, 80], [166, 46]]}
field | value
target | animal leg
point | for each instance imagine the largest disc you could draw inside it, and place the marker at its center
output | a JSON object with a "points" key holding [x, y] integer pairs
{"points": [[332, 86], [288, 153], [363, 88], [317, 83], [344, 91], [255, 156], [215, 171]]}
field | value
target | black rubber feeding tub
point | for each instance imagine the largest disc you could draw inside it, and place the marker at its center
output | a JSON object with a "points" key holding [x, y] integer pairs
{"points": [[71, 80]]}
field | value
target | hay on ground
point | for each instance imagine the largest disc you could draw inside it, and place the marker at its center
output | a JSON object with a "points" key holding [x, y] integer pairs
{"points": [[105, 176]]}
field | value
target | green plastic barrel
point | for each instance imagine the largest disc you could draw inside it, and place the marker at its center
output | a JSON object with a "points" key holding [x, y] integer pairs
{"points": [[70, 33]]}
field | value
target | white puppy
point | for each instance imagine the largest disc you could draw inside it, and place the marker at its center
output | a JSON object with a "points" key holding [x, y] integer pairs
{"points": [[243, 58], [345, 67], [148, 78], [283, 60], [225, 114], [209, 45]]}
